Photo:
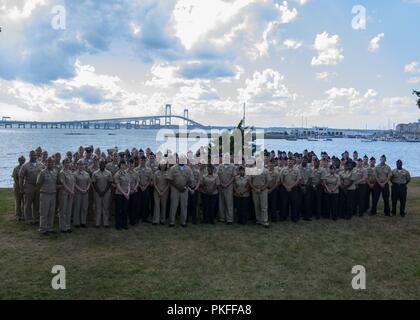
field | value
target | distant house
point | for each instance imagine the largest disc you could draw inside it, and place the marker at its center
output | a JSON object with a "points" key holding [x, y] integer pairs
{"points": [[409, 128]]}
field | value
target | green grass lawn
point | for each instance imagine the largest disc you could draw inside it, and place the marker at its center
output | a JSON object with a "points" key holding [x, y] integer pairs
{"points": [[309, 260]]}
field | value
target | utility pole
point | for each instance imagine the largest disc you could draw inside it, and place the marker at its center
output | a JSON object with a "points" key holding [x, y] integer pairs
{"points": [[243, 116]]}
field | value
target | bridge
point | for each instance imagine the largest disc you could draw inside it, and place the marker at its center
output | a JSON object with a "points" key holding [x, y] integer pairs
{"points": [[145, 122]]}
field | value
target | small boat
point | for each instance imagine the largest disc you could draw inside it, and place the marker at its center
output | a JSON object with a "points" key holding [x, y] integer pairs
{"points": [[328, 139]]}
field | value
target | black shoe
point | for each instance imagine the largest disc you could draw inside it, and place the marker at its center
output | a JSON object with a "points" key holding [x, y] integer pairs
{"points": [[125, 228], [162, 223], [83, 226], [184, 225], [77, 226], [307, 219], [171, 225], [229, 223], [69, 231], [154, 224], [45, 233], [62, 231], [106, 227], [97, 227]]}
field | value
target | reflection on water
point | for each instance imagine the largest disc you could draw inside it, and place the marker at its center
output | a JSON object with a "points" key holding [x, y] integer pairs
{"points": [[15, 142]]}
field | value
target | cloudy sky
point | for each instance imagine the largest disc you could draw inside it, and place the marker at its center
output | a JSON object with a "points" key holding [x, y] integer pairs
{"points": [[316, 62]]}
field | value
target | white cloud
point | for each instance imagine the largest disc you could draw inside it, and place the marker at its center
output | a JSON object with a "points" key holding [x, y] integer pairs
{"points": [[412, 67], [375, 42], [265, 86], [193, 19], [414, 80], [325, 75], [329, 52], [292, 44]]}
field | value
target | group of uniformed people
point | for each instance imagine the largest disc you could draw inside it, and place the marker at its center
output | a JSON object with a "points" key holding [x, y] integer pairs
{"points": [[138, 185]]}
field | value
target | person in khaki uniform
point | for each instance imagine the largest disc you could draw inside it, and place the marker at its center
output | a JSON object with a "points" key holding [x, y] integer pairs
{"points": [[272, 188], [383, 175], [317, 189], [17, 191], [361, 189], [28, 175], [349, 179], [133, 202], [258, 183], [91, 169], [180, 178], [210, 184], [145, 182], [122, 196], [243, 196], [226, 173], [193, 193], [113, 168], [47, 184], [371, 181], [290, 179], [82, 186], [331, 182], [102, 180], [400, 178], [305, 200], [66, 196], [160, 193]]}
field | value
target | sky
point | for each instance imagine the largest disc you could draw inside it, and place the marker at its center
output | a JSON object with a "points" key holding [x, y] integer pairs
{"points": [[340, 64]]}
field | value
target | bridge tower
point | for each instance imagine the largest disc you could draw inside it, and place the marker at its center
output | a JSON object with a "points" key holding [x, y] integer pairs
{"points": [[168, 115], [186, 117]]}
